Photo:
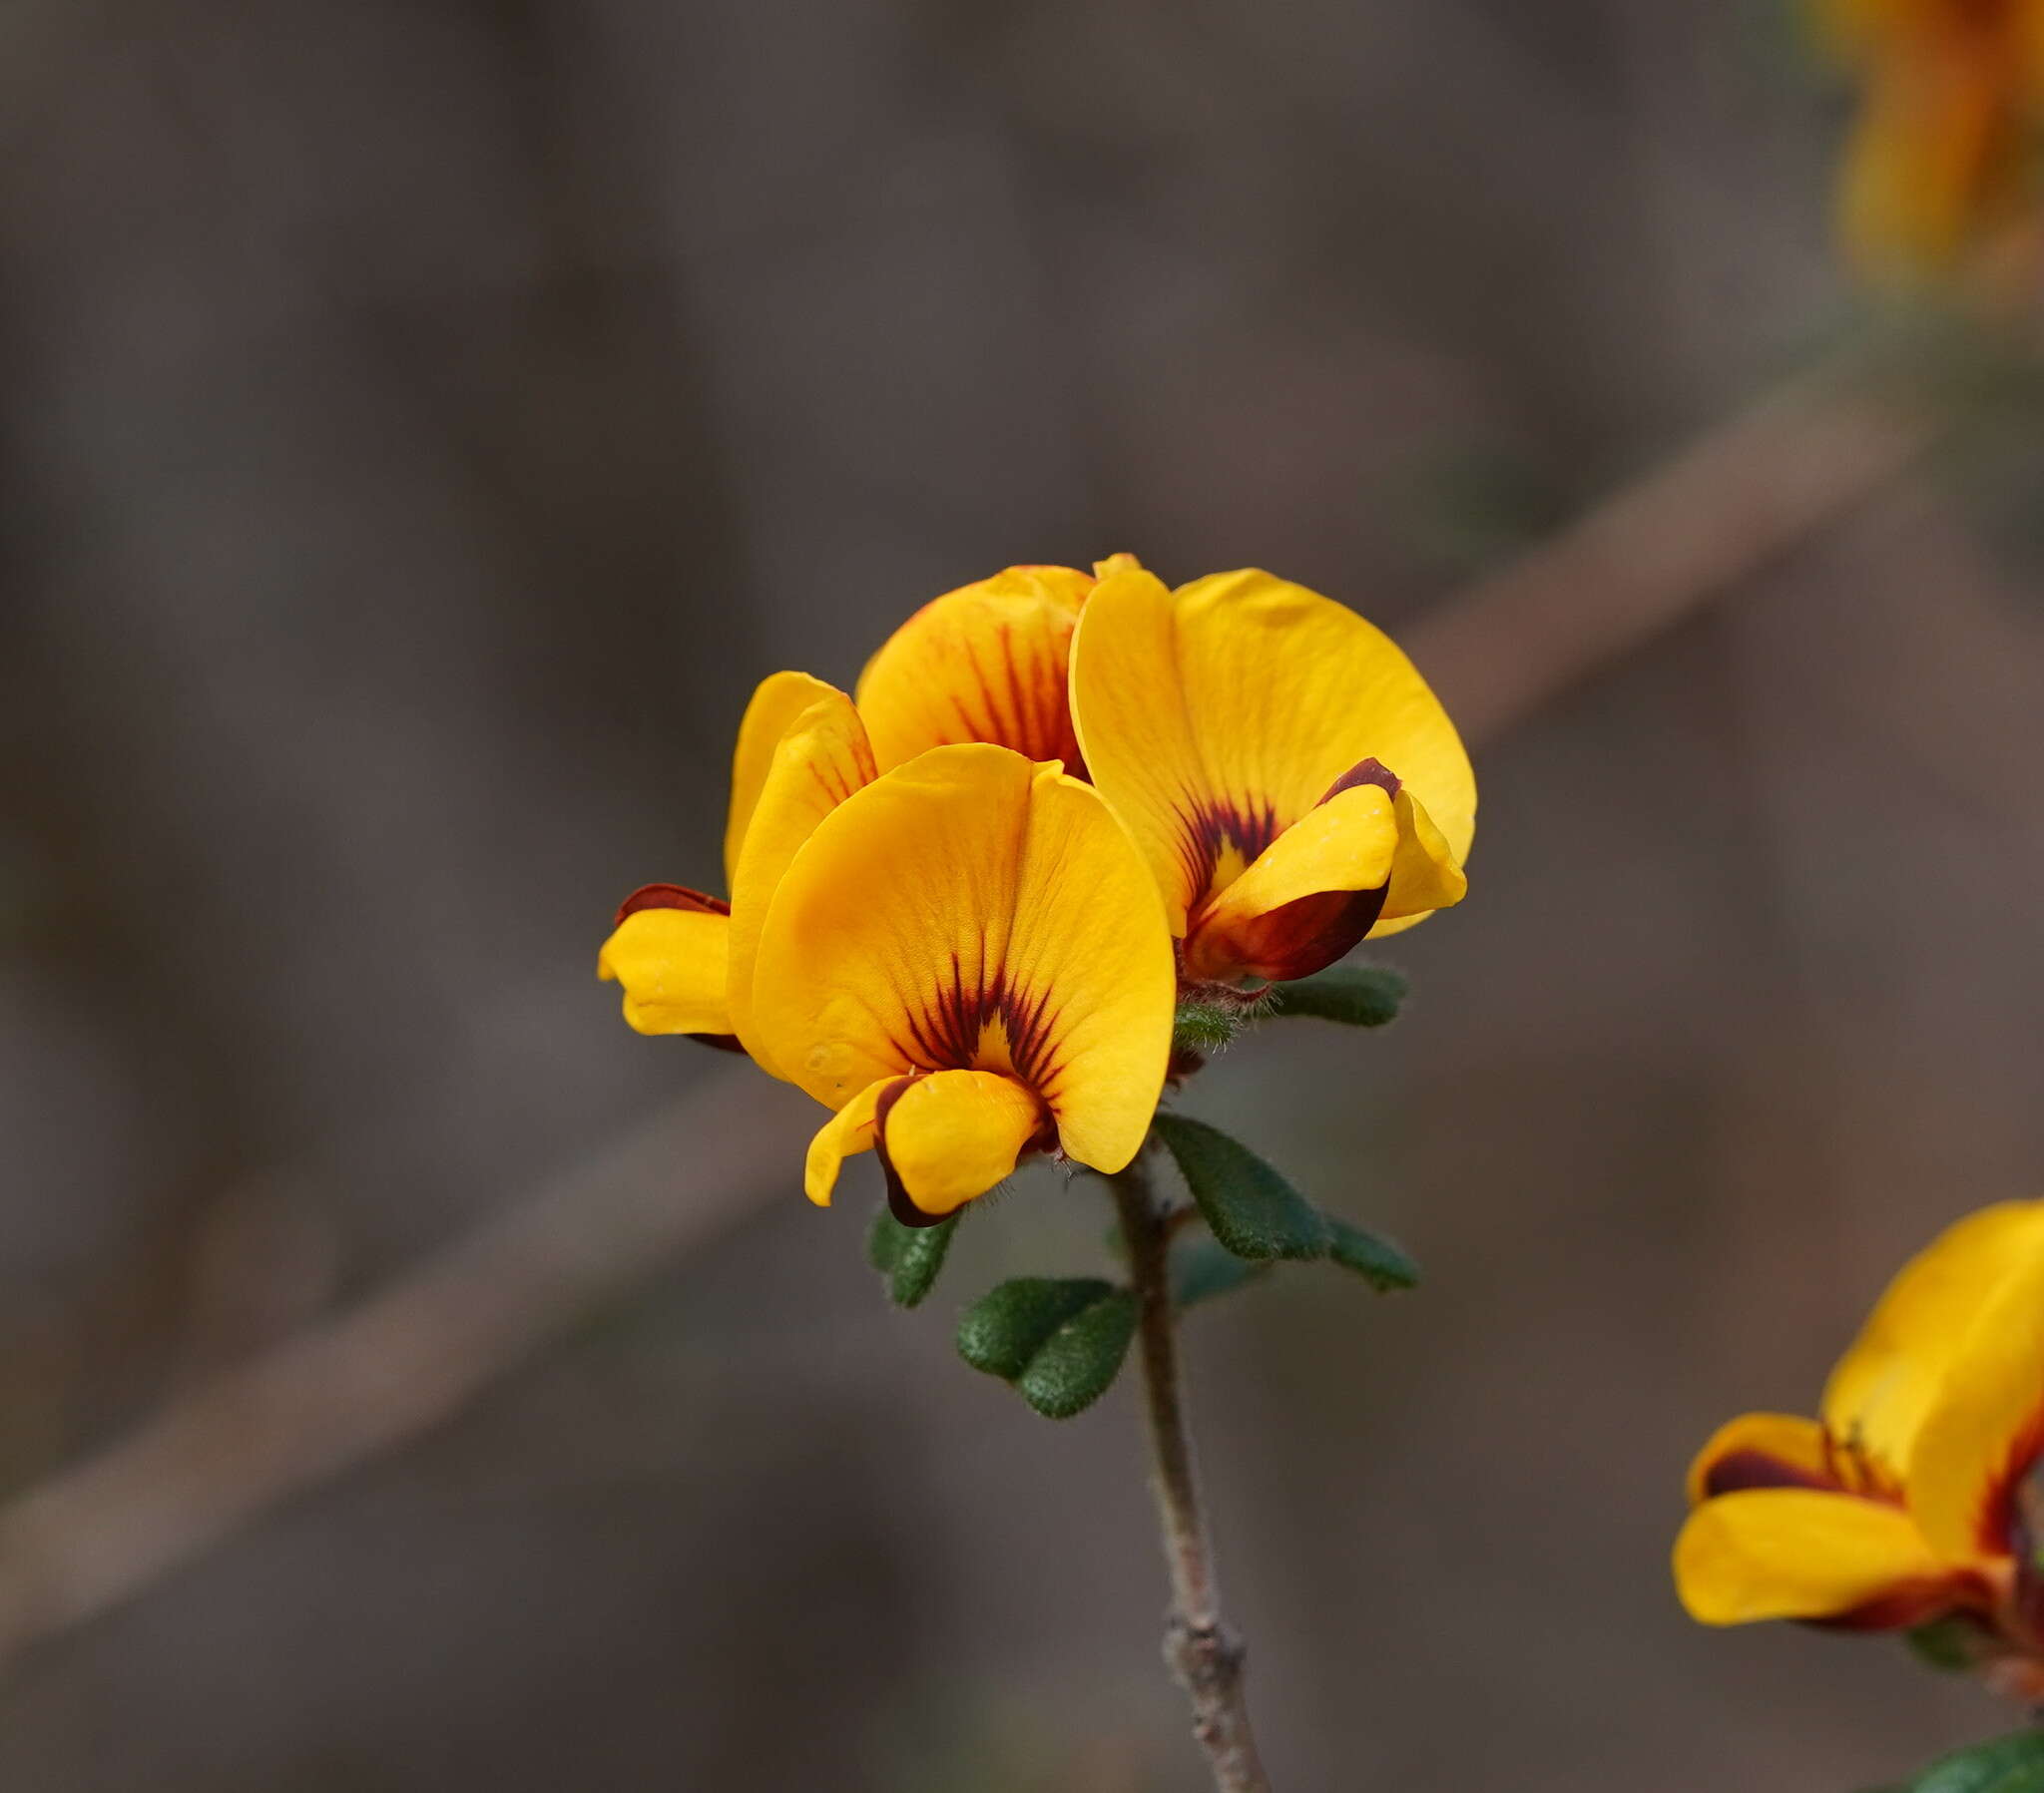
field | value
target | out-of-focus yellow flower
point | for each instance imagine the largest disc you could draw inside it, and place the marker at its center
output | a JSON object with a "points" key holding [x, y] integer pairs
{"points": [[1291, 780], [967, 961], [1906, 1501], [1941, 153]]}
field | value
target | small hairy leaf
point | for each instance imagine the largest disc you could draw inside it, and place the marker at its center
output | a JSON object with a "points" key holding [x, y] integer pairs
{"points": [[1247, 1205], [1202, 1269], [1078, 1363], [1376, 1260], [1362, 996], [908, 1257], [1003, 1330], [883, 1241], [2007, 1765]]}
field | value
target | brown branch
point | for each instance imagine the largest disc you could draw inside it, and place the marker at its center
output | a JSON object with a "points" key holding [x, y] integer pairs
{"points": [[1768, 478], [219, 1454], [1205, 1655]]}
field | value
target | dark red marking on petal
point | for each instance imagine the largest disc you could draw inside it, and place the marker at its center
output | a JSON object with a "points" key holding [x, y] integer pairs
{"points": [[945, 1034], [1739, 1470], [2002, 1515], [1212, 825], [670, 896], [1367, 772]]}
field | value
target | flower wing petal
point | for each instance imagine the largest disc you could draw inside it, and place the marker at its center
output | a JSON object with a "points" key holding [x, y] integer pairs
{"points": [[777, 704], [1885, 1383], [847, 1132], [985, 662], [1798, 1553], [671, 963]]}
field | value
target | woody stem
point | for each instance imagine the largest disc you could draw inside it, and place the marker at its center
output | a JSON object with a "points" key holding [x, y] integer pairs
{"points": [[1204, 1655]]}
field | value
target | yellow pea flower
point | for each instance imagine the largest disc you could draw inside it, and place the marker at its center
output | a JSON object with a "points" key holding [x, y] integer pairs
{"points": [[1941, 156], [1288, 777], [967, 961], [1906, 1500]]}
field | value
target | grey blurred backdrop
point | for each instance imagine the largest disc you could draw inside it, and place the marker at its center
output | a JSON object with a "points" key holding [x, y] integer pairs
{"points": [[426, 420]]}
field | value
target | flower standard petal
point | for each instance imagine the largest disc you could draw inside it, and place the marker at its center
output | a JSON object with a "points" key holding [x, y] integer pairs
{"points": [[1983, 1427], [986, 663], [820, 760], [1798, 1553], [1883, 1386], [1089, 933], [972, 911]]}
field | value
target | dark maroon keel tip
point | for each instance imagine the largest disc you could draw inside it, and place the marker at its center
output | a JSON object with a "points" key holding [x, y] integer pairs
{"points": [[1738, 1470], [1367, 772], [670, 896]]}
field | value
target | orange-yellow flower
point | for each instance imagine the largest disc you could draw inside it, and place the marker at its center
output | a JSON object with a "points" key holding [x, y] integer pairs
{"points": [[1953, 92], [967, 961], [1289, 779], [1906, 1501]]}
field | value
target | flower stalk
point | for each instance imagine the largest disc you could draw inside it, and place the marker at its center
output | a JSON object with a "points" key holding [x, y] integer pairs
{"points": [[1202, 1651]]}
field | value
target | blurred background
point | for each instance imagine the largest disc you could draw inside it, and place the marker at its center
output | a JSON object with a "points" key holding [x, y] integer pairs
{"points": [[426, 421]]}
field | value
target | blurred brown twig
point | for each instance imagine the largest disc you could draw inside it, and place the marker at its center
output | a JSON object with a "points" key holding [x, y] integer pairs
{"points": [[219, 1454]]}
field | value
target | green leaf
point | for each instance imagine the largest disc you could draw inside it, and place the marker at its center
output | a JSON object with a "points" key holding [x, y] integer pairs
{"points": [[1362, 996], [1954, 1644], [1249, 1208], [908, 1257], [2007, 1765], [885, 1236], [1059, 1339], [1079, 1361], [1377, 1262], [1201, 1268], [1006, 1327]]}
